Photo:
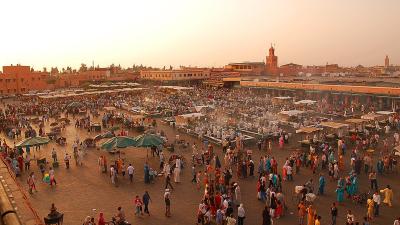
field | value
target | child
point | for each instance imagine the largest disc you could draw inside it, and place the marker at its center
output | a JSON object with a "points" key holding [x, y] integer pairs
{"points": [[138, 205]]}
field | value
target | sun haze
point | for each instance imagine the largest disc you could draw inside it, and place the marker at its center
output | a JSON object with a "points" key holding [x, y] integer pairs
{"points": [[198, 32]]}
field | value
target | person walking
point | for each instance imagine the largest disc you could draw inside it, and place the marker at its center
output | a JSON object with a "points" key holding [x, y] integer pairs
{"points": [[54, 155], [67, 158], [266, 216], [52, 177], [373, 181], [146, 173], [138, 205], [302, 210], [194, 174], [241, 215], [168, 182], [146, 200], [130, 170], [113, 175], [27, 162], [388, 195], [377, 202], [167, 200], [101, 220], [334, 213], [317, 220], [339, 194], [370, 208], [321, 185], [31, 183], [311, 212]]}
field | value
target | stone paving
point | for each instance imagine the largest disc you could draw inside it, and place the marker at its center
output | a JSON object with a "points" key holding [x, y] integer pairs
{"points": [[83, 190]]}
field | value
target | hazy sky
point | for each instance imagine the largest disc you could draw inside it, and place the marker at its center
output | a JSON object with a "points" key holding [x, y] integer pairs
{"points": [[198, 32]]}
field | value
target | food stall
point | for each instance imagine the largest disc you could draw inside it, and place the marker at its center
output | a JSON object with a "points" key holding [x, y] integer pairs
{"points": [[185, 119], [335, 129], [308, 131], [289, 115], [358, 125], [282, 100]]}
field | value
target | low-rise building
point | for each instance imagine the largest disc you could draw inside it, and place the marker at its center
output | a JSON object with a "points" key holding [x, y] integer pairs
{"points": [[290, 69], [22, 79], [247, 68], [175, 75]]}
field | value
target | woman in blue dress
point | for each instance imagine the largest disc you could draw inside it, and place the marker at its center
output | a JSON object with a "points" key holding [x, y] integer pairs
{"points": [[339, 194], [354, 184]]}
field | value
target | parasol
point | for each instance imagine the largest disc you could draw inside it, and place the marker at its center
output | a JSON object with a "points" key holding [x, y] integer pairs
{"points": [[33, 141]]}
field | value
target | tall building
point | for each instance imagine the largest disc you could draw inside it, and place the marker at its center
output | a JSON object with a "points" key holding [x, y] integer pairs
{"points": [[20, 79], [387, 62], [272, 62]]}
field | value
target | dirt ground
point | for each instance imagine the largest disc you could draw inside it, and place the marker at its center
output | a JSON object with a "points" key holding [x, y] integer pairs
{"points": [[83, 190]]}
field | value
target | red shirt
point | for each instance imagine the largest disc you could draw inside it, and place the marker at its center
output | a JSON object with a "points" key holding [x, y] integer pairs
{"points": [[138, 202]]}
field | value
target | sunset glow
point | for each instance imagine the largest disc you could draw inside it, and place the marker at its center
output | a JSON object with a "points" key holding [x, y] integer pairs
{"points": [[201, 33]]}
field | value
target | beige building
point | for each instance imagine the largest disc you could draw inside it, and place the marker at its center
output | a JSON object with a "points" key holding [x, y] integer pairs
{"points": [[175, 75], [247, 68]]}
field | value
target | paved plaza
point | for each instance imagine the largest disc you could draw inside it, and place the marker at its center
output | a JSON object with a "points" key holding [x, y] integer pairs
{"points": [[83, 191]]}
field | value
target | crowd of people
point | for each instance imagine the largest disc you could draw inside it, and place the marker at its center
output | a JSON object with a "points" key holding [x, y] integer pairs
{"points": [[233, 112]]}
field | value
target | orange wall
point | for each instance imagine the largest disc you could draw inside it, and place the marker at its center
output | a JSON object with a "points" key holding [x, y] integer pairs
{"points": [[19, 79]]}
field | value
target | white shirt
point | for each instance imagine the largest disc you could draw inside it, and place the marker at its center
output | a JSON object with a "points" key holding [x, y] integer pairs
{"points": [[241, 212], [202, 208], [377, 198], [350, 218], [289, 170], [130, 170]]}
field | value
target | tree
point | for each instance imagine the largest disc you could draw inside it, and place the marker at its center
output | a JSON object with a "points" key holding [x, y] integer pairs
{"points": [[83, 68], [54, 70]]}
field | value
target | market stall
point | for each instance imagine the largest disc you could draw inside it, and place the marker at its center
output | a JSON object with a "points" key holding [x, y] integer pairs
{"points": [[185, 119], [335, 129], [281, 100]]}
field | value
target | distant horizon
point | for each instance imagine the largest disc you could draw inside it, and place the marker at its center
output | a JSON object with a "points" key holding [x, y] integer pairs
{"points": [[89, 65], [205, 33]]}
